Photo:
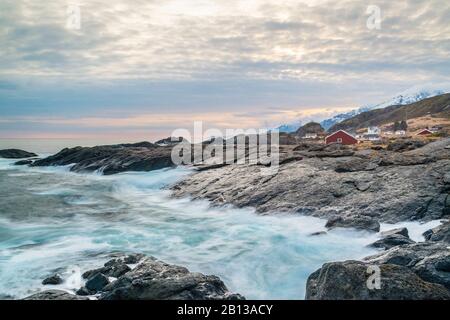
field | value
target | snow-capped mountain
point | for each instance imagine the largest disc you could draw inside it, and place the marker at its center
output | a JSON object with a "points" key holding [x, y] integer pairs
{"points": [[289, 127], [411, 95]]}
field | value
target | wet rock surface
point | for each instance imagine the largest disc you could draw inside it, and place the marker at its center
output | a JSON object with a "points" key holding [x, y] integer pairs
{"points": [[382, 185], [348, 280], [54, 295], [143, 156], [16, 154], [53, 279], [357, 222], [149, 279]]}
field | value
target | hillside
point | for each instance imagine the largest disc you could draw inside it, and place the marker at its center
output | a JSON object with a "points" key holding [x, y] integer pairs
{"points": [[438, 106], [310, 127]]}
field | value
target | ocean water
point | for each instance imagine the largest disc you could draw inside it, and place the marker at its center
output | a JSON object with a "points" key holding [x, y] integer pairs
{"points": [[52, 220]]}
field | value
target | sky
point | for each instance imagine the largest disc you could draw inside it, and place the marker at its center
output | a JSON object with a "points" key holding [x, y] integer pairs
{"points": [[139, 69]]}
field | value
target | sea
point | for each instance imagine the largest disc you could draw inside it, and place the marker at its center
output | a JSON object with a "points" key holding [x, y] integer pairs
{"points": [[56, 221]]}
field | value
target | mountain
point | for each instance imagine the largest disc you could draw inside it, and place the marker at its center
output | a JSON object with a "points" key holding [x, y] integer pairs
{"points": [[289, 127], [409, 96], [437, 106], [310, 127]]}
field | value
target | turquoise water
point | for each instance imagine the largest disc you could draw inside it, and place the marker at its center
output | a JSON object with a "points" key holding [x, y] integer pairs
{"points": [[53, 220]]}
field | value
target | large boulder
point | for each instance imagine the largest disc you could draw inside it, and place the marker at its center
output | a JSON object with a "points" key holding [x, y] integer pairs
{"points": [[53, 279], [429, 260], [400, 231], [357, 222], [440, 233], [152, 279], [113, 268], [391, 240], [16, 154], [348, 280], [54, 295]]}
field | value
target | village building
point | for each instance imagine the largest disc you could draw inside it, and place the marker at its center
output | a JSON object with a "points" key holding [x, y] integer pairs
{"points": [[424, 132], [341, 137], [310, 135], [435, 129], [373, 130], [400, 132]]}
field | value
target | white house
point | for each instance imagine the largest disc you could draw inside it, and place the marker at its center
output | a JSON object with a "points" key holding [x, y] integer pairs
{"points": [[400, 132], [310, 136], [373, 130]]}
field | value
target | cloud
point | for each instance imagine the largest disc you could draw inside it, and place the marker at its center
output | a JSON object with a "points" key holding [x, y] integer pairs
{"points": [[136, 57]]}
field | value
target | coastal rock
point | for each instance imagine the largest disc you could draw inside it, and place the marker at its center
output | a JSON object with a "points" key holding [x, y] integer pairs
{"points": [[113, 268], [390, 193], [400, 231], [54, 295], [391, 240], [23, 162], [429, 260], [400, 145], [355, 164], [53, 279], [152, 279], [16, 154], [97, 282], [358, 222], [83, 291], [440, 233], [111, 159], [348, 280]]}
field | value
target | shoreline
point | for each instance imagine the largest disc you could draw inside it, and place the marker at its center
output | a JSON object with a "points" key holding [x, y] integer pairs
{"points": [[216, 178]]}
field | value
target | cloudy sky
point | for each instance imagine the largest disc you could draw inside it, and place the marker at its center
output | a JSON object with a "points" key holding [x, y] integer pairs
{"points": [[138, 69]]}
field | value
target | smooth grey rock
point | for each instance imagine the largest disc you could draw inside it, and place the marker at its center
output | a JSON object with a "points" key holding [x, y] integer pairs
{"points": [[23, 162], [97, 282], [390, 193], [16, 154], [113, 268], [391, 240], [429, 260], [112, 159], [401, 231], [357, 222], [440, 233], [156, 280], [54, 295], [83, 291], [348, 281], [53, 279]]}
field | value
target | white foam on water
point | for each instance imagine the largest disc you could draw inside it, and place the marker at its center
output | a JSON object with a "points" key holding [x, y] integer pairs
{"points": [[258, 256]]}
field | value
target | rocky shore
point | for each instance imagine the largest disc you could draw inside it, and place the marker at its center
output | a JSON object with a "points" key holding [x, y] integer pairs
{"points": [[351, 188], [360, 188], [138, 277]]}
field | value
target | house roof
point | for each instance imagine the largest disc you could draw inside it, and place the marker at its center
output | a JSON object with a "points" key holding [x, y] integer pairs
{"points": [[340, 131], [424, 130]]}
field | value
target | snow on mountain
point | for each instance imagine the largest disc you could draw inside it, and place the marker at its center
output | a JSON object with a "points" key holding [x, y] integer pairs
{"points": [[411, 95]]}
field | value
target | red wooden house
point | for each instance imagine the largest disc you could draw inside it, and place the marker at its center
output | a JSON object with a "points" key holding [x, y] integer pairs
{"points": [[424, 132], [342, 137]]}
